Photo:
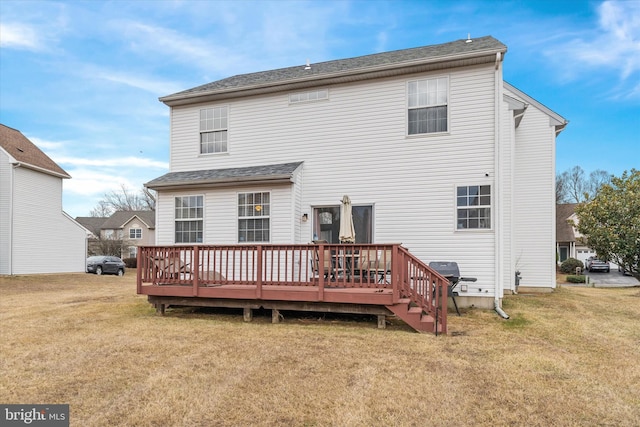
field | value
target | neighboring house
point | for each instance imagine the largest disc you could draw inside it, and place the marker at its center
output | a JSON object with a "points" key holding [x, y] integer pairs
{"points": [[570, 243], [134, 228], [434, 149], [36, 235]]}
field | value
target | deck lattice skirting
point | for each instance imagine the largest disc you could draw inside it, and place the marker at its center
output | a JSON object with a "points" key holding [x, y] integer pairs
{"points": [[378, 279]]}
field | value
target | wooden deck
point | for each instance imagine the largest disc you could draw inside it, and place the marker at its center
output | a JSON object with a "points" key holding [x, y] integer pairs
{"points": [[371, 279]]}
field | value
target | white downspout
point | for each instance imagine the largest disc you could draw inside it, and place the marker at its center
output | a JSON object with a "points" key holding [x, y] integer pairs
{"points": [[499, 249]]}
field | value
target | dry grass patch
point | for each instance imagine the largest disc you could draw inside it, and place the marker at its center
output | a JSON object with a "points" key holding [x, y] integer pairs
{"points": [[567, 358]]}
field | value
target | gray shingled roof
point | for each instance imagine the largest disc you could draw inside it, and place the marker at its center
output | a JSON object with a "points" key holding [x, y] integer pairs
{"points": [[564, 230], [358, 65], [92, 223], [281, 172], [119, 218], [27, 153]]}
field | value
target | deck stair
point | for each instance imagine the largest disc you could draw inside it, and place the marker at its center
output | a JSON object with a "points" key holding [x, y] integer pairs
{"points": [[414, 316]]}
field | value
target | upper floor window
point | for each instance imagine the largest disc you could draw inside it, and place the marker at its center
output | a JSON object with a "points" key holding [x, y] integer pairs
{"points": [[135, 233], [189, 213], [428, 105], [473, 205], [314, 95], [254, 211], [213, 130]]}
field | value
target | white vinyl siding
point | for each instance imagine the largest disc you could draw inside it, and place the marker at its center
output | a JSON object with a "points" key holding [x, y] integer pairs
{"points": [[5, 213], [534, 199], [366, 154], [45, 240], [221, 214]]}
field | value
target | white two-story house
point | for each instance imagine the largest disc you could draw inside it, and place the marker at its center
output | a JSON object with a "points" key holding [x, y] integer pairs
{"points": [[36, 235], [433, 148]]}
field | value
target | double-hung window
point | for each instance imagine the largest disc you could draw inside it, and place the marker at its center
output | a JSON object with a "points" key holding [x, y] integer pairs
{"points": [[473, 205], [213, 130], [189, 212], [254, 210], [428, 105], [135, 233]]}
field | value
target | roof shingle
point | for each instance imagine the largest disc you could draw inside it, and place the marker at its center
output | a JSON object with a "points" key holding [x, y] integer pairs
{"points": [[27, 153], [361, 64], [282, 172]]}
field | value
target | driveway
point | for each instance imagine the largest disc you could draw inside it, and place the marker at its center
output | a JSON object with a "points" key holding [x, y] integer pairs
{"points": [[614, 279]]}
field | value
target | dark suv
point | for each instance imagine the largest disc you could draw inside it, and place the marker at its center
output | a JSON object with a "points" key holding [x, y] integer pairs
{"points": [[105, 265]]}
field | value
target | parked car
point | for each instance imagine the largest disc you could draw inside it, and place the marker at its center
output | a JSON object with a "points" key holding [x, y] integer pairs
{"points": [[595, 264], [103, 264]]}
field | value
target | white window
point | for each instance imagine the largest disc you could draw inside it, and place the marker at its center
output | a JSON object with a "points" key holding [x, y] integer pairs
{"points": [[315, 95], [254, 210], [135, 233], [473, 205], [428, 105], [189, 213], [133, 251], [213, 130]]}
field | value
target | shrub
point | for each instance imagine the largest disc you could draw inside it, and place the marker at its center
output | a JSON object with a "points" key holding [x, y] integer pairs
{"points": [[569, 265], [576, 279], [130, 262]]}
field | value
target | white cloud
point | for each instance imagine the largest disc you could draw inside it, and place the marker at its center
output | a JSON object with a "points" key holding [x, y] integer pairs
{"points": [[148, 84], [45, 145], [174, 46], [116, 162], [88, 182], [614, 45], [19, 36]]}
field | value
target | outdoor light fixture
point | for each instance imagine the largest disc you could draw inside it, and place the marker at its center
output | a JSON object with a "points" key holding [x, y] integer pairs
{"points": [[305, 217]]}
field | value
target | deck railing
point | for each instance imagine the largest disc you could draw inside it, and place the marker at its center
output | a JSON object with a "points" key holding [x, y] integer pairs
{"points": [[189, 269]]}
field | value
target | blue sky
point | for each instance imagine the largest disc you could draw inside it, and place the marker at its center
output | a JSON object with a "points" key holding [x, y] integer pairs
{"points": [[81, 79]]}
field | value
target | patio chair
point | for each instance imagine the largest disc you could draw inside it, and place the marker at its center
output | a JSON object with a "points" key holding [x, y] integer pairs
{"points": [[375, 265], [325, 270]]}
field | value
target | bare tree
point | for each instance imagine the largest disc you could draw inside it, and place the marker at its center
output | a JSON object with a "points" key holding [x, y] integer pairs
{"points": [[597, 179], [124, 200], [561, 189], [576, 184], [572, 186], [102, 210]]}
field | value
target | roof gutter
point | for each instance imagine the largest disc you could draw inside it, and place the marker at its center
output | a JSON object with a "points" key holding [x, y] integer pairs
{"points": [[225, 182], [39, 169]]}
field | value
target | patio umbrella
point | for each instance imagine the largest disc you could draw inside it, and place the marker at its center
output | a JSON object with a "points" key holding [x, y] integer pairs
{"points": [[347, 231]]}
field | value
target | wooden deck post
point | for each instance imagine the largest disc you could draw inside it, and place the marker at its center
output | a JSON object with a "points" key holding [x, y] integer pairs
{"points": [[160, 308], [139, 268], [247, 314], [195, 268], [382, 321], [275, 315]]}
